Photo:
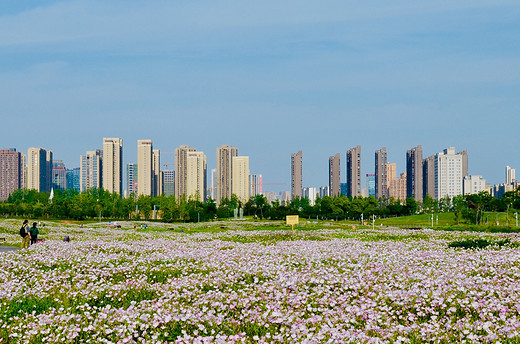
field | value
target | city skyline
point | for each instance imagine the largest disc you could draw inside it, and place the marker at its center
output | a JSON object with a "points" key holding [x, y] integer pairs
{"points": [[157, 178], [270, 78]]}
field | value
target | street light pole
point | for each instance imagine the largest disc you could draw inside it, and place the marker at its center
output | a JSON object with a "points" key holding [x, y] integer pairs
{"points": [[516, 216]]}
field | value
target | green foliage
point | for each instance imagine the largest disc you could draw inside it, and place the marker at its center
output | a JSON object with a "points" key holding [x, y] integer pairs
{"points": [[95, 203], [480, 243]]}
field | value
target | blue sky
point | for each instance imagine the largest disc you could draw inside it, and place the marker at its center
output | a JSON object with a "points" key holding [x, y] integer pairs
{"points": [[268, 77]]}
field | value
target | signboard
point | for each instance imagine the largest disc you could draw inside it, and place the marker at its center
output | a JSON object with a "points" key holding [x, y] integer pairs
{"points": [[292, 220]]}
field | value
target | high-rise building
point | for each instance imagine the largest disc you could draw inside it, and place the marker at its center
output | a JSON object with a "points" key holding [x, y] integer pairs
{"points": [[196, 175], [23, 171], [91, 171], [465, 170], [429, 176], [131, 179], [213, 186], [74, 179], [10, 171], [181, 161], [39, 168], [499, 190], [371, 184], [296, 175], [113, 165], [48, 162], [255, 183], [311, 194], [240, 177], [168, 183], [324, 191], [391, 173], [157, 175], [449, 173], [145, 173], [354, 172], [380, 173], [397, 188], [510, 175], [59, 175], [334, 175], [414, 173], [225, 155], [473, 185], [343, 188], [285, 197]]}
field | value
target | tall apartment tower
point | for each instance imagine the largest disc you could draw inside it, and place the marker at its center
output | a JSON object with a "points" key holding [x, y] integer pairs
{"points": [[10, 171], [74, 179], [428, 169], [145, 174], [296, 175], [391, 172], [91, 170], [465, 171], [157, 175], [397, 188], [196, 166], [354, 172], [168, 183], [414, 173], [241, 178], [510, 175], [334, 175], [255, 183], [131, 178], [381, 173], [449, 176], [324, 191], [225, 155], [181, 161], [213, 185], [113, 165], [48, 162], [39, 169], [23, 171], [59, 175]]}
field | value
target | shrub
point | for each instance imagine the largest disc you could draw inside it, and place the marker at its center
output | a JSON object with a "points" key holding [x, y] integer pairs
{"points": [[480, 243]]}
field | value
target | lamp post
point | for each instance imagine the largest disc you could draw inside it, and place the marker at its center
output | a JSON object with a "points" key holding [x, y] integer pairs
{"points": [[516, 216], [99, 207]]}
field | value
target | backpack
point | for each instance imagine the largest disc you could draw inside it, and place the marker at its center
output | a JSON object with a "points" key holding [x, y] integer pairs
{"points": [[23, 232]]}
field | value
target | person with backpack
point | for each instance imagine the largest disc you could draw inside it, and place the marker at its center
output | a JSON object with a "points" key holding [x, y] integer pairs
{"points": [[25, 234], [33, 231]]}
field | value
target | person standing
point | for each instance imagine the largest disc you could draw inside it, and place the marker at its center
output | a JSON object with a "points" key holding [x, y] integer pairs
{"points": [[33, 231], [25, 234]]}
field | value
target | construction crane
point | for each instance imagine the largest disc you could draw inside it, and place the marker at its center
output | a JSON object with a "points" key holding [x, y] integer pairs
{"points": [[168, 164], [253, 186]]}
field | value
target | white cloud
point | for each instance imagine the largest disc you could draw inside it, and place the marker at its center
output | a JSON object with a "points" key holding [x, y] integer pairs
{"points": [[80, 20]]}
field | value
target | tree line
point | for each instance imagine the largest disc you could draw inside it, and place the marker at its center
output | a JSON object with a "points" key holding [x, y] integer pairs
{"points": [[98, 203]]}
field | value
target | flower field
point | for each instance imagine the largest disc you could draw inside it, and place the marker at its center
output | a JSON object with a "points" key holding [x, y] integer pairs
{"points": [[259, 286]]}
